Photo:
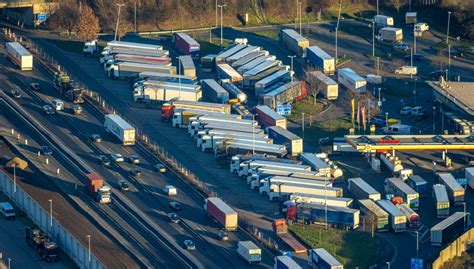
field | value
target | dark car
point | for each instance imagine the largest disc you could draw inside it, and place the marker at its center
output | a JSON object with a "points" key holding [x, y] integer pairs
{"points": [[45, 150], [95, 138], [134, 159], [35, 87], [416, 57], [173, 217], [48, 110], [401, 46], [104, 160], [455, 53], [15, 94], [175, 206], [135, 172], [124, 186], [189, 245]]}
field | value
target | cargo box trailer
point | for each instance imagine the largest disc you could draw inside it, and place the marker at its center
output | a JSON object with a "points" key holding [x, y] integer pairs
{"points": [[20, 56], [383, 20], [413, 219], [242, 53], [334, 216], [322, 259], [224, 126], [250, 74], [209, 143], [391, 162], [132, 45], [450, 228], [110, 54], [213, 92], [279, 76], [249, 251], [321, 199], [265, 184], [186, 45], [208, 62], [212, 132], [285, 262], [469, 176], [454, 189], [249, 57], [258, 173], [250, 84], [397, 220], [165, 61], [248, 167], [255, 62], [278, 190], [234, 92], [187, 67], [225, 71], [228, 149], [391, 35], [222, 213], [267, 117], [294, 42], [227, 52], [166, 92], [374, 214], [362, 190], [316, 163], [320, 59], [238, 159], [418, 184], [441, 200], [397, 187], [124, 70], [121, 129], [293, 143], [181, 117], [167, 110], [325, 85], [289, 92], [351, 80]]}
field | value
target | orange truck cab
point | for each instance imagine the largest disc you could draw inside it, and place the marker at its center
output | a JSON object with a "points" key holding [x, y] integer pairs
{"points": [[167, 111]]}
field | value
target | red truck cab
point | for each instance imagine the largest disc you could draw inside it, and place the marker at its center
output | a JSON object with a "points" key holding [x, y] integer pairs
{"points": [[167, 112]]}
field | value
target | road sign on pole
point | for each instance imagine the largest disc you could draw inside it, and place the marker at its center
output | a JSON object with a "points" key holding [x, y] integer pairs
{"points": [[416, 263], [41, 16]]}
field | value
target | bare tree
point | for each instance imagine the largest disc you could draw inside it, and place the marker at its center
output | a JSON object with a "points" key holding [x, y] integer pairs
{"points": [[88, 24], [65, 18], [311, 82]]}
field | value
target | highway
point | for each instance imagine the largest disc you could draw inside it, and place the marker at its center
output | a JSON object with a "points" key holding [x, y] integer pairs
{"points": [[146, 190]]}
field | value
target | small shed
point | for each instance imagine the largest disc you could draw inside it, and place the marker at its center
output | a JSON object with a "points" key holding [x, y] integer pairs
{"points": [[410, 18]]}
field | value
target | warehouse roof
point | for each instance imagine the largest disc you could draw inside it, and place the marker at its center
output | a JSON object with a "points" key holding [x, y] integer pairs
{"points": [[461, 94]]}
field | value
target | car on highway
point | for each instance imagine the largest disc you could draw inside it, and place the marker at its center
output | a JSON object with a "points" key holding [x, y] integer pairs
{"points": [[135, 172], [76, 109], [133, 159], [170, 190], [95, 138], [405, 110], [455, 53], [401, 47], [189, 244], [104, 160], [223, 235], [117, 157], [173, 217], [175, 206], [45, 150], [124, 185], [15, 94], [35, 86], [160, 168], [416, 57], [48, 110]]}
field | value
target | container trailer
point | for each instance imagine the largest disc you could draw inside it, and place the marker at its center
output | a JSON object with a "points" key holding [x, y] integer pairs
{"points": [[249, 251], [226, 149], [418, 184], [375, 214], [95, 187], [249, 57], [282, 136], [193, 130], [413, 219], [351, 80], [441, 200], [242, 111], [186, 45], [155, 76], [289, 92], [383, 21], [392, 162], [278, 190], [132, 45], [397, 220], [321, 259], [390, 35], [167, 92], [285, 262], [208, 62], [116, 58], [225, 71], [250, 74], [450, 228], [320, 59], [257, 61], [218, 132], [187, 67], [234, 91], [270, 71], [209, 143], [267, 117], [397, 187], [338, 217], [324, 84], [121, 129], [122, 70], [181, 117], [362, 190], [242, 53], [258, 173], [213, 92], [238, 159], [246, 168], [454, 189], [110, 54], [229, 51], [316, 163], [279, 76], [280, 229], [18, 55], [294, 42], [167, 110], [266, 184], [320, 199], [222, 213], [469, 176]]}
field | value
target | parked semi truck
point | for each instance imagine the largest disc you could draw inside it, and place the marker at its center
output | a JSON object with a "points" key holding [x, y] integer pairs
{"points": [[181, 117], [214, 92], [238, 159], [316, 163], [293, 143], [320, 59], [286, 93], [234, 92], [186, 45], [132, 45], [320, 199], [123, 70], [418, 184], [187, 67], [390, 34], [285, 262], [40, 242], [441, 200], [249, 57], [201, 135], [222, 213], [325, 85], [262, 86], [95, 186], [229, 51], [294, 42], [280, 229], [321, 259], [255, 62], [399, 188], [261, 172], [454, 189], [391, 162], [413, 219], [242, 53], [249, 251], [338, 217], [166, 77], [279, 190], [167, 91], [105, 56], [209, 143], [267, 117], [375, 214], [121, 129], [266, 184], [250, 75], [397, 220], [167, 110], [383, 21], [225, 71], [18, 55], [351, 80], [362, 190], [450, 228], [248, 167], [144, 59], [226, 149], [250, 81], [194, 129]]}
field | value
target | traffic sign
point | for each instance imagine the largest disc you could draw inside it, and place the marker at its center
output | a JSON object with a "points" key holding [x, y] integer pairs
{"points": [[41, 16], [284, 110], [416, 263]]}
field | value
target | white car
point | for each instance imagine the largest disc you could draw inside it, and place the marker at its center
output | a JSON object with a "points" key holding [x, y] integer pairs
{"points": [[418, 111], [170, 190], [405, 111], [117, 157]]}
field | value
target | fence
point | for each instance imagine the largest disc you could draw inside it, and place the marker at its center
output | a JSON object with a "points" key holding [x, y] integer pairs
{"points": [[41, 217], [456, 248]]}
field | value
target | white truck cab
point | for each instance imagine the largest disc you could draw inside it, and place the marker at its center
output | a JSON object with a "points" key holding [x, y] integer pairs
{"points": [[90, 48], [7, 210], [57, 104], [421, 27]]}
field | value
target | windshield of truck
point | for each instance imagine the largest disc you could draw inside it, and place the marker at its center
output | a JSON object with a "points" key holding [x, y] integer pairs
{"points": [[10, 212]]}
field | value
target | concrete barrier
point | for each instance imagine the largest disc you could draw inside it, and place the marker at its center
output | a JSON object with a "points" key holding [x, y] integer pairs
{"points": [[72, 247]]}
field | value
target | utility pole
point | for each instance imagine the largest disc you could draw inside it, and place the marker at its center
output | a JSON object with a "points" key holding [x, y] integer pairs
{"points": [[414, 40], [449, 63], [297, 14], [291, 66], [179, 78], [377, 7], [447, 30], [118, 19], [253, 135], [89, 246], [135, 17], [373, 38], [417, 243], [222, 31], [337, 27], [302, 124], [50, 213], [300, 4], [216, 13], [434, 120]]}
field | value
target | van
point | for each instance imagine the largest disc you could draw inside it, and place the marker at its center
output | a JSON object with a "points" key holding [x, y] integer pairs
{"points": [[397, 129], [58, 104], [418, 111], [7, 210], [407, 70], [421, 27], [170, 190]]}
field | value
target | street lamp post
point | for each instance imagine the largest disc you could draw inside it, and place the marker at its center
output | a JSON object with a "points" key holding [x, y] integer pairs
{"points": [[216, 13], [434, 120], [118, 19], [414, 92], [179, 78], [299, 5], [50, 212], [414, 40], [14, 178], [417, 243], [302, 124], [373, 38], [447, 30], [291, 65], [253, 135], [135, 16], [449, 63], [222, 30], [388, 265], [337, 28], [464, 217], [386, 119], [89, 246]]}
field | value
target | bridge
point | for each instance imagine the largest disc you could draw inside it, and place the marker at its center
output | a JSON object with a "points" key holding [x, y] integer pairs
{"points": [[28, 12]]}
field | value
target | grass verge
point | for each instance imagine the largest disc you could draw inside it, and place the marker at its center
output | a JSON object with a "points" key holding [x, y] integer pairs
{"points": [[330, 128], [351, 248], [306, 106], [211, 48], [272, 34]]}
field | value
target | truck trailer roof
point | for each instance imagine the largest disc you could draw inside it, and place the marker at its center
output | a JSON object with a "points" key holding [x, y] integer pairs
{"points": [[188, 39], [320, 52], [390, 208], [284, 132], [19, 48], [242, 53], [293, 34], [322, 77], [350, 73], [450, 220], [221, 205], [119, 121], [373, 207], [329, 207], [402, 185], [328, 258], [440, 193]]}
